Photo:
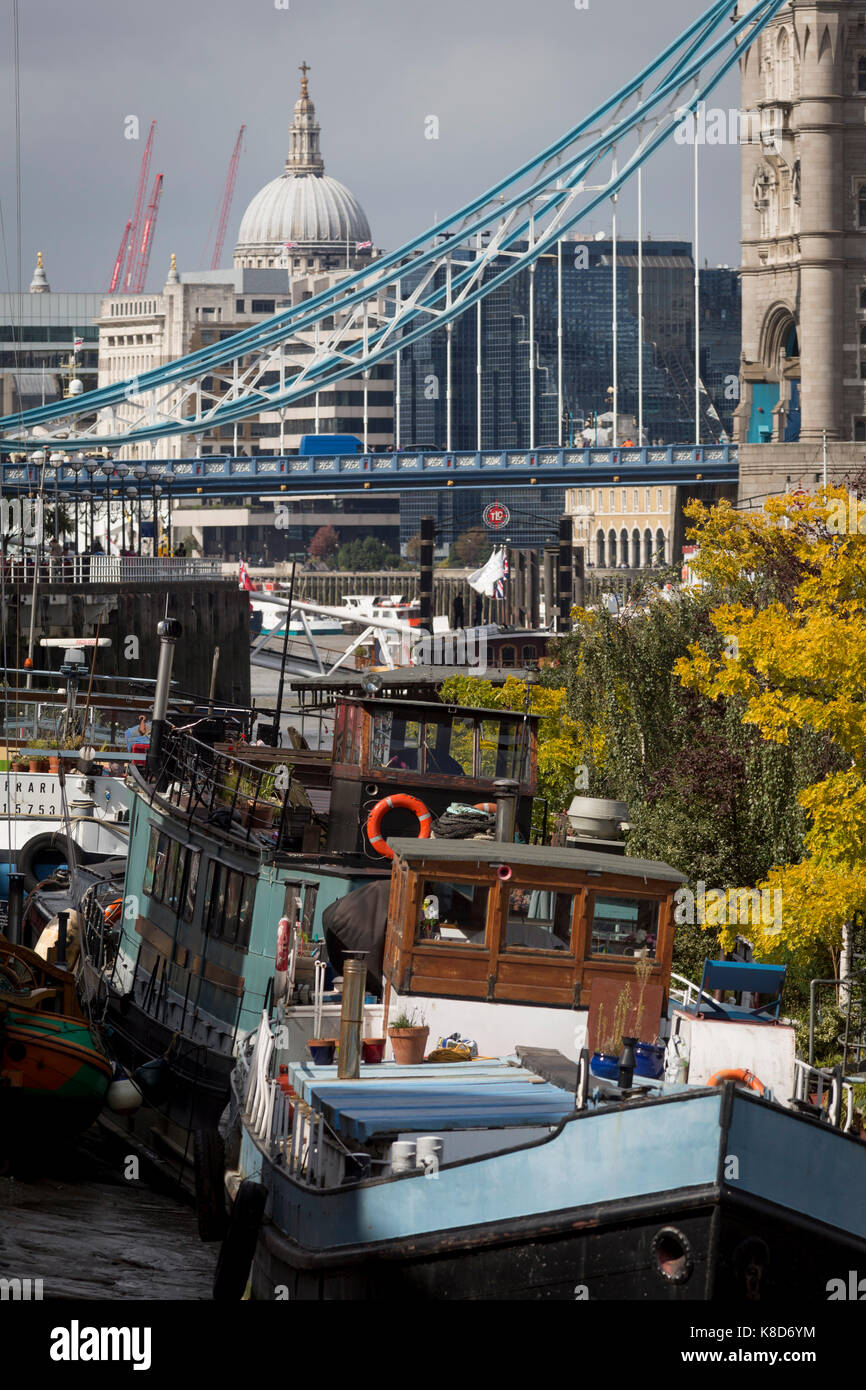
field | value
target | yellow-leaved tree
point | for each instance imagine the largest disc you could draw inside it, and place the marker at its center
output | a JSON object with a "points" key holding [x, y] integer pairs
{"points": [[794, 659]]}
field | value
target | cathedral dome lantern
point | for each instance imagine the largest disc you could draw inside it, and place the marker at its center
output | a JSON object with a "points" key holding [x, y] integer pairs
{"points": [[303, 218]]}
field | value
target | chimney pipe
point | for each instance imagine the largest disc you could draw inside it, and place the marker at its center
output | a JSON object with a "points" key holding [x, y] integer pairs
{"points": [[169, 631], [506, 792], [352, 1016], [425, 578], [15, 909]]}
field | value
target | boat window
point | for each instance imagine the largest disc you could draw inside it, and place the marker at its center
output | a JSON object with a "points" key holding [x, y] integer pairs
{"points": [[173, 861], [170, 865], [159, 870], [488, 747], [245, 916], [233, 904], [538, 920], [230, 896], [462, 747], [452, 914], [191, 884], [150, 870], [509, 656], [623, 926]]}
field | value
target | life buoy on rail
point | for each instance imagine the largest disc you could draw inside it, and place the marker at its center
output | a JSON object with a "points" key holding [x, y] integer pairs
{"points": [[377, 815], [488, 806], [284, 936], [746, 1078]]}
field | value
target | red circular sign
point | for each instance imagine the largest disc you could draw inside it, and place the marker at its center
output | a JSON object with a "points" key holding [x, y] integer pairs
{"points": [[497, 514]]}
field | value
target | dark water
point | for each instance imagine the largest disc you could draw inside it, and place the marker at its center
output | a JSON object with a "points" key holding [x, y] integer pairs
{"points": [[74, 1219]]}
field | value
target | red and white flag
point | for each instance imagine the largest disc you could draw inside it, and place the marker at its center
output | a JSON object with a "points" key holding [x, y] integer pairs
{"points": [[244, 577], [362, 245]]}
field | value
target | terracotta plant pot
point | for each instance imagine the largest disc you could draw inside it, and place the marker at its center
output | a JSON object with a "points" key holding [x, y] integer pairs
{"points": [[322, 1050], [372, 1049], [259, 815], [38, 764], [53, 764], [409, 1045]]}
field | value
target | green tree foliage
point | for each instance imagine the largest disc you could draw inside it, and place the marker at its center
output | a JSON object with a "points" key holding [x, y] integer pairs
{"points": [[471, 549], [367, 554]]}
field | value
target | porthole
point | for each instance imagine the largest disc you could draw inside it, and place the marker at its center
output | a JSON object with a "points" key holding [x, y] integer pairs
{"points": [[673, 1256]]}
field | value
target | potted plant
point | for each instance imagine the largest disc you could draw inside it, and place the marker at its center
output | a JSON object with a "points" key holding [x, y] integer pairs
{"points": [[649, 1056], [408, 1034], [605, 1060], [322, 1050], [373, 1049], [37, 763]]}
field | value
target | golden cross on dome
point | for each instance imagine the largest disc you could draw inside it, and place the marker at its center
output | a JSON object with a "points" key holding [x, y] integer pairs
{"points": [[303, 69]]}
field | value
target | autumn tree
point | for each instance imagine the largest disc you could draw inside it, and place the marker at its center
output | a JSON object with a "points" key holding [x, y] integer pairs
{"points": [[790, 652], [324, 543]]}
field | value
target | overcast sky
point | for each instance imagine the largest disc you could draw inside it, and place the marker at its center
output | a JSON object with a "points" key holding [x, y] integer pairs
{"points": [[504, 78]]}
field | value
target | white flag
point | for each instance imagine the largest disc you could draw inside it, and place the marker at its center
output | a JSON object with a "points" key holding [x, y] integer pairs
{"points": [[484, 581]]}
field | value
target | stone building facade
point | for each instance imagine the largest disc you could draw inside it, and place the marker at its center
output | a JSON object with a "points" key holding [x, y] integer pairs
{"points": [[803, 366]]}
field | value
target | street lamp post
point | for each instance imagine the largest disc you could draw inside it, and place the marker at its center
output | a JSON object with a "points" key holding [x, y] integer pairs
{"points": [[108, 469], [91, 467], [157, 493], [76, 465], [140, 474], [132, 495], [122, 470]]}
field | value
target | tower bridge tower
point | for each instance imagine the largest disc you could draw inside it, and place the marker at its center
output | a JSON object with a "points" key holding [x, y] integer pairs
{"points": [[803, 132]]}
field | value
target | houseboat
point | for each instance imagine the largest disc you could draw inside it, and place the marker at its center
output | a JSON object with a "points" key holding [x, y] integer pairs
{"points": [[516, 1171], [236, 853]]}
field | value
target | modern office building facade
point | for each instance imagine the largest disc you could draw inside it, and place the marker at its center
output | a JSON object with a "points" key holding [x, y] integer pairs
{"points": [[544, 376]]}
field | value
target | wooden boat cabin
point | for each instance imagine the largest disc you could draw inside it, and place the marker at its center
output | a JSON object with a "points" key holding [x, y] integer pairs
{"points": [[481, 933], [434, 752]]}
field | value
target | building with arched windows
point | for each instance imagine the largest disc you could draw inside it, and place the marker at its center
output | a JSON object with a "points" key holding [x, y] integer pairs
{"points": [[803, 367]]}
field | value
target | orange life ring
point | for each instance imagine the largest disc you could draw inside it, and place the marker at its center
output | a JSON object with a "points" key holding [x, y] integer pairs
{"points": [[376, 816], [488, 806], [747, 1078], [112, 911], [284, 934]]}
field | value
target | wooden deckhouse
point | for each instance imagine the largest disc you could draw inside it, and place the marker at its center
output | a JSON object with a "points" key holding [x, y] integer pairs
{"points": [[486, 923]]}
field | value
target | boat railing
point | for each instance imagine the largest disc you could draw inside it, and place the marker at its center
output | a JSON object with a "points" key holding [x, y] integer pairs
{"points": [[242, 797], [290, 1131], [686, 991], [829, 1087]]}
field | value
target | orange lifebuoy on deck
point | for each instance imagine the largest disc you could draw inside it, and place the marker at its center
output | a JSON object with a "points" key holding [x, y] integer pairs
{"points": [[746, 1078], [376, 816], [112, 911], [488, 806]]}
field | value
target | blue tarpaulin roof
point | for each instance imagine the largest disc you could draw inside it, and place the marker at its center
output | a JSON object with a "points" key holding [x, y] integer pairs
{"points": [[389, 1099]]}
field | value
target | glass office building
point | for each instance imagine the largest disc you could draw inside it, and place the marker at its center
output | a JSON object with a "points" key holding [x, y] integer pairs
{"points": [[587, 367]]}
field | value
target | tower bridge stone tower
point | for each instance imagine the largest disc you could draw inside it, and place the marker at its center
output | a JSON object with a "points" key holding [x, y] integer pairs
{"points": [[803, 367]]}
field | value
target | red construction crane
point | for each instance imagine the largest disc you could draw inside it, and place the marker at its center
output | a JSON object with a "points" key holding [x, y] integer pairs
{"points": [[118, 264], [131, 265], [231, 178], [147, 231]]}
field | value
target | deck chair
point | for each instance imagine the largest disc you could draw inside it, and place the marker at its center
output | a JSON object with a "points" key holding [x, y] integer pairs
{"points": [[741, 976]]}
